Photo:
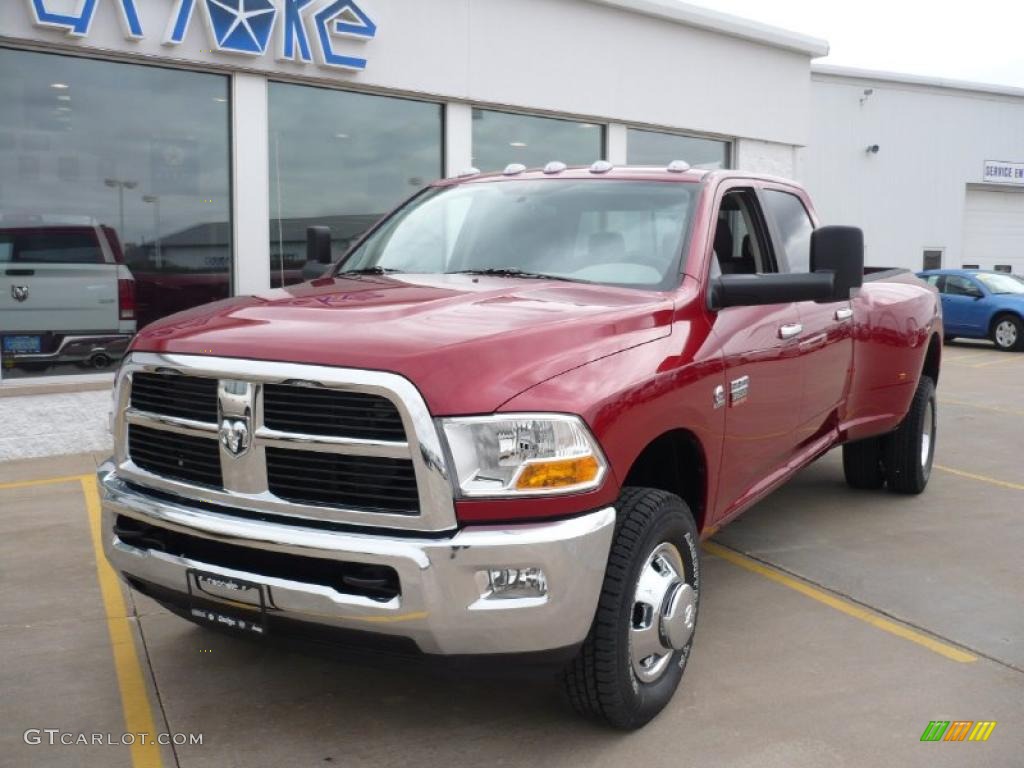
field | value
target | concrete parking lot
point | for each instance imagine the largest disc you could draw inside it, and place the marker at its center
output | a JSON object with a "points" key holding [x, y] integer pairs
{"points": [[834, 626]]}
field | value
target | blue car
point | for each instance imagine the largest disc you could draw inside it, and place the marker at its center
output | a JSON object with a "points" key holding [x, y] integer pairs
{"points": [[981, 305]]}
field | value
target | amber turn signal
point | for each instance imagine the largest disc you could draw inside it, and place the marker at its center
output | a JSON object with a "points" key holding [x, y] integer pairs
{"points": [[558, 473]]}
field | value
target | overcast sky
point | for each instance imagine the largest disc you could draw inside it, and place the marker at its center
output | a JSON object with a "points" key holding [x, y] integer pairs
{"points": [[981, 40]]}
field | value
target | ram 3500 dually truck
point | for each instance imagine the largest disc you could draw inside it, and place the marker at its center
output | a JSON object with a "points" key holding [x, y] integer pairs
{"points": [[501, 424]]}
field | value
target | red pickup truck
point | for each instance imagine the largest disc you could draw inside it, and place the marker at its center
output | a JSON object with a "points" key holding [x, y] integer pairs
{"points": [[501, 424]]}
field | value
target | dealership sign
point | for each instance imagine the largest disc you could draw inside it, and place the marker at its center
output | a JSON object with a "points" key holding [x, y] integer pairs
{"points": [[1001, 172], [299, 30]]}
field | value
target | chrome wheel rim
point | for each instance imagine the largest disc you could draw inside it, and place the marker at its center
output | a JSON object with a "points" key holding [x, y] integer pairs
{"points": [[927, 435], [1006, 334], [663, 613]]}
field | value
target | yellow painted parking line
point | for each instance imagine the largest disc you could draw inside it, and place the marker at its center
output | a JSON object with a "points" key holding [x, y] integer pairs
{"points": [[44, 481], [980, 406], [138, 716], [957, 358], [840, 604], [1007, 358], [981, 478]]}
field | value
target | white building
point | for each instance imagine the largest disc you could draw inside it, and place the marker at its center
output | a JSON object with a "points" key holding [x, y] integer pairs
{"points": [[206, 135], [932, 170], [340, 108]]}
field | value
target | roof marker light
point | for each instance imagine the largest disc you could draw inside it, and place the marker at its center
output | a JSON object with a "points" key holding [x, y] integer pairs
{"points": [[678, 166], [514, 168], [555, 166], [467, 172], [601, 166]]}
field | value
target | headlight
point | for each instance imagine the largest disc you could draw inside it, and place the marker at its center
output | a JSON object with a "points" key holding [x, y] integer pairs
{"points": [[528, 453]]}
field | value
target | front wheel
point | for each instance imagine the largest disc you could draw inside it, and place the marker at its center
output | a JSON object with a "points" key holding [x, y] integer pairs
{"points": [[910, 450], [634, 656], [1008, 333]]}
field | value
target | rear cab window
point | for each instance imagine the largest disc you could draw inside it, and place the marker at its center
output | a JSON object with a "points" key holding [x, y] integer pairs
{"points": [[50, 245]]}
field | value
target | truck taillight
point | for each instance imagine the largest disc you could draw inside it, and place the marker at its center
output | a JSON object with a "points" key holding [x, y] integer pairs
{"points": [[126, 298]]}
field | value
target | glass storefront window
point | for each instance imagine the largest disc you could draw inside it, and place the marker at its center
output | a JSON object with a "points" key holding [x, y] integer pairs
{"points": [[657, 148], [343, 160], [500, 138], [114, 205]]}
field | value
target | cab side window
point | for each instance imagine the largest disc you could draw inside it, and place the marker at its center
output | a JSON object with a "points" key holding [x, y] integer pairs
{"points": [[794, 227], [739, 244]]}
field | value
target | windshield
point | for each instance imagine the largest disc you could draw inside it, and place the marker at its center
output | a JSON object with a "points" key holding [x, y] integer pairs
{"points": [[1000, 283], [602, 231]]}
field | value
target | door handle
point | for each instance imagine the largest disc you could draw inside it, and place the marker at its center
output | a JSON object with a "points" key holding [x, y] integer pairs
{"points": [[789, 330], [844, 313]]}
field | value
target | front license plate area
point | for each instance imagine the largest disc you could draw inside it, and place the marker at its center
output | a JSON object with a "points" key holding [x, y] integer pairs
{"points": [[226, 602], [23, 345]]}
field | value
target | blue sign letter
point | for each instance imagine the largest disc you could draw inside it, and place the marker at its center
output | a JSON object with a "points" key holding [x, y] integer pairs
{"points": [[180, 19], [293, 32], [130, 20], [73, 25], [342, 18], [79, 25]]}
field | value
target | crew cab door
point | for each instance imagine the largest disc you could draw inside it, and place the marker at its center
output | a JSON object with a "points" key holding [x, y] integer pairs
{"points": [[825, 340], [760, 348]]}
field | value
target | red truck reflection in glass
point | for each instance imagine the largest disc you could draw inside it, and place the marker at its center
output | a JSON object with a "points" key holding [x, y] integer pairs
{"points": [[500, 425]]}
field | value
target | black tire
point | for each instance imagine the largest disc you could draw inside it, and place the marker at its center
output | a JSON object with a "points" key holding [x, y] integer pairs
{"points": [[1012, 338], [601, 681], [862, 464], [908, 465]]}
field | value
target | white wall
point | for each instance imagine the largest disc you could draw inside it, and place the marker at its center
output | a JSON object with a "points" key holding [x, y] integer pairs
{"points": [[933, 142], [570, 56], [765, 157]]}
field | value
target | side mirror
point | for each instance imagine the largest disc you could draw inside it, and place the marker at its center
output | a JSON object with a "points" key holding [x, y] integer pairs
{"points": [[318, 245], [840, 252], [774, 288]]}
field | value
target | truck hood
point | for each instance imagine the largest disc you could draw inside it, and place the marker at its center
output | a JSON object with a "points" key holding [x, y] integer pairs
{"points": [[468, 343]]}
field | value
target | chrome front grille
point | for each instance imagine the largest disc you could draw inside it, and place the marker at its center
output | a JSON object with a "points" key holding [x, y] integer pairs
{"points": [[342, 445], [331, 412], [187, 458], [362, 482], [183, 397]]}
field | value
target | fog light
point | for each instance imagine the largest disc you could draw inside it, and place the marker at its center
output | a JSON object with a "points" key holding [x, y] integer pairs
{"points": [[505, 583]]}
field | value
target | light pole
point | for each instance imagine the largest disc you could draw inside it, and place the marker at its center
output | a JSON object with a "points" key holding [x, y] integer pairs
{"points": [[155, 200], [121, 185]]}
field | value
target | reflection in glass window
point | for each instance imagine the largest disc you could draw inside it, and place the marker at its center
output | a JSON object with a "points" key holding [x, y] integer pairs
{"points": [[657, 148], [500, 138], [342, 160], [114, 204], [794, 225]]}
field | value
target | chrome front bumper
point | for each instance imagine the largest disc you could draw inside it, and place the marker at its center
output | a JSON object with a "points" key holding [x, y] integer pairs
{"points": [[443, 606]]}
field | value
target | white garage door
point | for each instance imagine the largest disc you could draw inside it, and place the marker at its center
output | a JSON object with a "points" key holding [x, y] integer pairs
{"points": [[994, 229]]}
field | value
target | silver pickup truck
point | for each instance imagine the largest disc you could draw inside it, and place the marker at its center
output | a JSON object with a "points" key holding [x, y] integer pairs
{"points": [[65, 296]]}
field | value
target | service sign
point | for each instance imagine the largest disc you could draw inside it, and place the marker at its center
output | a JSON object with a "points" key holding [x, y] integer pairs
{"points": [[1002, 172], [295, 30]]}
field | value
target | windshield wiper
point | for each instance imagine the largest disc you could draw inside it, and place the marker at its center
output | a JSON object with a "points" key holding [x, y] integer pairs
{"points": [[510, 272], [369, 271]]}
